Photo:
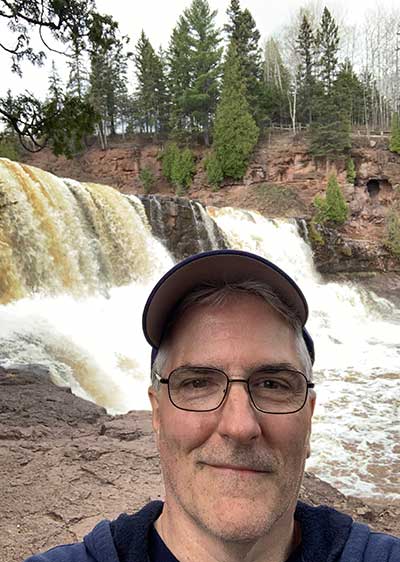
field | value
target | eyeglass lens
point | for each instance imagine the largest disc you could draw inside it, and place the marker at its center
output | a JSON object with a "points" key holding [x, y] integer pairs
{"points": [[202, 389]]}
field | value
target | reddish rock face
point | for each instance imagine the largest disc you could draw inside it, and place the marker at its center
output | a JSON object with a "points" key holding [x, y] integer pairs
{"points": [[280, 161]]}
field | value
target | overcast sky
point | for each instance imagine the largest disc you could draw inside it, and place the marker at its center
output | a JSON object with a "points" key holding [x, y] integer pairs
{"points": [[158, 17]]}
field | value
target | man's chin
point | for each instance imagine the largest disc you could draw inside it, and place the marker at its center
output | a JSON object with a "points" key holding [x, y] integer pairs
{"points": [[241, 519]]}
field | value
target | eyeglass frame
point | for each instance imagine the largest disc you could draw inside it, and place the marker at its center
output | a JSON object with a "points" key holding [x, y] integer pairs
{"points": [[309, 385]]}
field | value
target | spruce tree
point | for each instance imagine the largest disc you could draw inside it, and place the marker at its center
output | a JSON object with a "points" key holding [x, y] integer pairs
{"points": [[394, 143], [205, 54], [151, 88], [305, 48], [235, 131], [327, 44], [331, 209], [78, 82], [241, 30], [179, 62]]}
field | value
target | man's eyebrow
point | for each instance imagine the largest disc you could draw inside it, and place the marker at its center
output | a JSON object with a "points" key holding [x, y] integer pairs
{"points": [[252, 368]]}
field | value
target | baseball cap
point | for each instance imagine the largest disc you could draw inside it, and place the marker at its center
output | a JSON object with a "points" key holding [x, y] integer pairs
{"points": [[221, 266]]}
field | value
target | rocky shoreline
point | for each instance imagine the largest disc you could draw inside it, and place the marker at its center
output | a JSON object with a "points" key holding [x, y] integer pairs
{"points": [[65, 464]]}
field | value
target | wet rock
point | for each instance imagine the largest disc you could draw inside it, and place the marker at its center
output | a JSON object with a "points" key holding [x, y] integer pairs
{"points": [[182, 225]]}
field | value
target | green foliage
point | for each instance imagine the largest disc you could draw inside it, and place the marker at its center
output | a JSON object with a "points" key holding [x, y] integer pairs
{"points": [[9, 146], [327, 46], [151, 96], [214, 171], [394, 143], [315, 235], [178, 166], [168, 156], [242, 32], [76, 27], [235, 131], [194, 58], [305, 48], [183, 169], [332, 208], [147, 179], [392, 228], [350, 171], [330, 131]]}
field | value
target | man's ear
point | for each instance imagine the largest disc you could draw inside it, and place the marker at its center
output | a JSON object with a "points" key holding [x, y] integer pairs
{"points": [[155, 408], [311, 405]]}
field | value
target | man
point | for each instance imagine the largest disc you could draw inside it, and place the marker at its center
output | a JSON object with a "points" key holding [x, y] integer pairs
{"points": [[232, 400]]}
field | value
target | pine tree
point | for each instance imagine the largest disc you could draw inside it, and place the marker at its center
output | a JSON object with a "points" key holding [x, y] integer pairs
{"points": [[56, 88], [180, 76], [243, 33], [327, 43], [235, 131], [305, 48], [201, 97], [331, 126], [151, 94], [78, 82], [348, 93], [394, 143], [331, 209]]}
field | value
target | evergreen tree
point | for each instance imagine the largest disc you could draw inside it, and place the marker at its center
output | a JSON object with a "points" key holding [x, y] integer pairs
{"points": [[331, 209], [235, 131], [327, 44], [56, 88], [305, 48], [331, 126], [241, 30], [348, 93], [350, 171], [201, 97], [394, 143], [151, 96], [78, 82], [180, 75]]}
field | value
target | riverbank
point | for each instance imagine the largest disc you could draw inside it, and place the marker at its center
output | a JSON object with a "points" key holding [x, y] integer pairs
{"points": [[65, 464]]}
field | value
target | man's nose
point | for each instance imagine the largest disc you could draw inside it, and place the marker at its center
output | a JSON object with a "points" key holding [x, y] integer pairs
{"points": [[239, 420]]}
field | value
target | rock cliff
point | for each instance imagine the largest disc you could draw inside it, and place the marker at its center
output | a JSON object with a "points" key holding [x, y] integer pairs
{"points": [[65, 464], [282, 180]]}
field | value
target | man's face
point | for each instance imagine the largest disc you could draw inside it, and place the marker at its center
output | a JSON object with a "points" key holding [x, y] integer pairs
{"points": [[234, 471]]}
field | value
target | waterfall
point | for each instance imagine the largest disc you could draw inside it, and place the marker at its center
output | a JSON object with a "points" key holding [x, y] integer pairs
{"points": [[357, 370], [77, 262]]}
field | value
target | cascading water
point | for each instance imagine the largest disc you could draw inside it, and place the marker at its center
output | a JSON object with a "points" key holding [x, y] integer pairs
{"points": [[77, 262], [357, 370]]}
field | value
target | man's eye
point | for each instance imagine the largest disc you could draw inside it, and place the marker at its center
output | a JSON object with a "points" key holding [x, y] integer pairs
{"points": [[196, 383]]}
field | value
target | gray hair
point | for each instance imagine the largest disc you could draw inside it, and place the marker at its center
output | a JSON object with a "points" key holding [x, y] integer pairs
{"points": [[215, 295]]}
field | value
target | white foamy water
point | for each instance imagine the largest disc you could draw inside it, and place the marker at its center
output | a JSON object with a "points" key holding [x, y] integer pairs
{"points": [[95, 344], [357, 369]]}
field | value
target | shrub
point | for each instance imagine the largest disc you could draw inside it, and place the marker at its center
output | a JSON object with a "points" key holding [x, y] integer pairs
{"points": [[332, 208], [147, 179], [392, 241], [168, 156], [350, 171], [182, 170], [9, 147], [394, 143], [214, 171]]}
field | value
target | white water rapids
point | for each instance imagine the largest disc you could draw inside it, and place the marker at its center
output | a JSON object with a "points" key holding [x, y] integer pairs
{"points": [[95, 345]]}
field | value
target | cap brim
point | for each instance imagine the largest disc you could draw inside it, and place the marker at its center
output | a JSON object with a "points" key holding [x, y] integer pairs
{"points": [[222, 266]]}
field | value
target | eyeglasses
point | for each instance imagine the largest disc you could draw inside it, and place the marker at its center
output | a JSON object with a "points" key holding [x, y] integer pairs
{"points": [[203, 389]]}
